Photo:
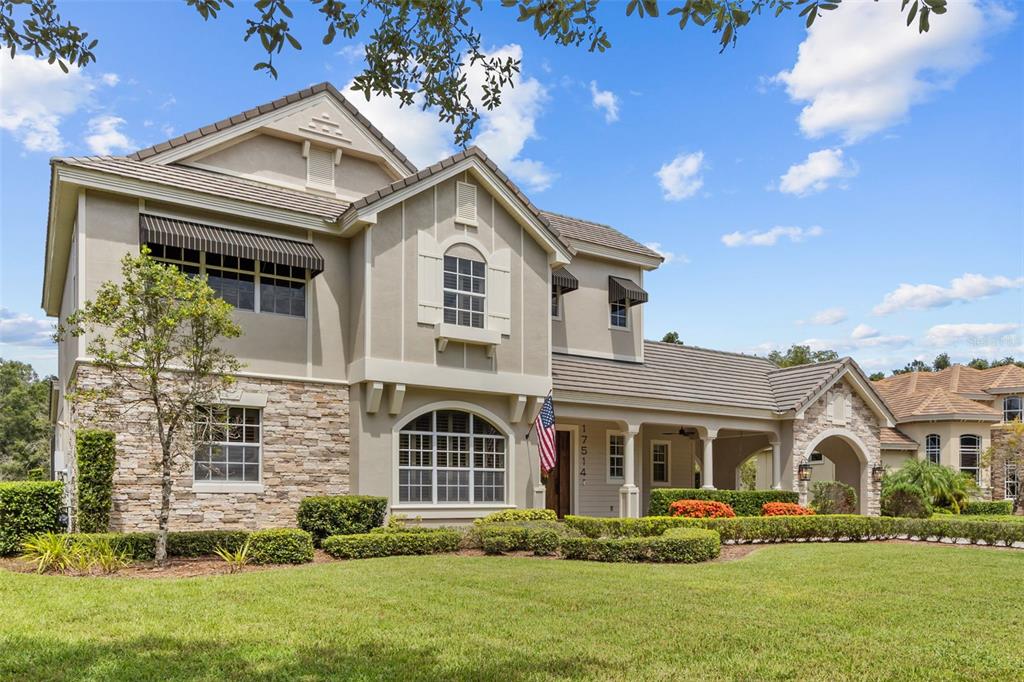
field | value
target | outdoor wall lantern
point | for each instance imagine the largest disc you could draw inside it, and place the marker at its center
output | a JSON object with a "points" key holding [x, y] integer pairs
{"points": [[877, 473], [804, 472]]}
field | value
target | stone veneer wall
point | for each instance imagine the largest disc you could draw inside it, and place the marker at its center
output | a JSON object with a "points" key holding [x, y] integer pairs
{"points": [[305, 452], [863, 423], [998, 464]]}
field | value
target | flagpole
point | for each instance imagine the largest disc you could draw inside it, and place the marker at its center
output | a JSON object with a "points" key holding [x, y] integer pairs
{"points": [[534, 422]]}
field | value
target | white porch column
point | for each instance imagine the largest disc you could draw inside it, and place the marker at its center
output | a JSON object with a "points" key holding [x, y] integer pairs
{"points": [[776, 465], [707, 472], [629, 493]]}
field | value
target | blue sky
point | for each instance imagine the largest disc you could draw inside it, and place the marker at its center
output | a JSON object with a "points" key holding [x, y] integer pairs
{"points": [[857, 186]]}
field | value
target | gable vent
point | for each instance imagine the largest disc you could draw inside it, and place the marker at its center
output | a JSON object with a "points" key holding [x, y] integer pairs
{"points": [[320, 167], [465, 203]]}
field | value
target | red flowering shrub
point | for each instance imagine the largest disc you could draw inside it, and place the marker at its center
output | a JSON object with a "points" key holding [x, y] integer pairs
{"points": [[701, 509], [784, 509]]}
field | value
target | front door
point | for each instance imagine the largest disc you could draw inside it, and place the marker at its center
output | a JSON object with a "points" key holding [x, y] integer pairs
{"points": [[559, 479]]}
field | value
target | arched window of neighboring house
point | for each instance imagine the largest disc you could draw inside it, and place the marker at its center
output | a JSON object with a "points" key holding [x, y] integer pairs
{"points": [[465, 286], [933, 448], [1013, 408], [970, 456], [451, 457]]}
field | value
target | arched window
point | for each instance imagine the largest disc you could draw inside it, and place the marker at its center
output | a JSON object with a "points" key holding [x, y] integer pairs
{"points": [[465, 286], [933, 448], [451, 457], [970, 456], [1013, 408]]}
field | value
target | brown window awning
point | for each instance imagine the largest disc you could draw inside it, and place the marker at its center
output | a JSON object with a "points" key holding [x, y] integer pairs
{"points": [[189, 235], [622, 290], [563, 280]]}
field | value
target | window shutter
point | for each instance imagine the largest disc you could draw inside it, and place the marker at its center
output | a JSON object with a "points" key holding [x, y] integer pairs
{"points": [[499, 291], [465, 203], [320, 167], [428, 267], [847, 408], [830, 406]]}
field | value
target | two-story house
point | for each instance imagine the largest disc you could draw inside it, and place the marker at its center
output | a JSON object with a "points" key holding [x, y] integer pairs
{"points": [[403, 326]]}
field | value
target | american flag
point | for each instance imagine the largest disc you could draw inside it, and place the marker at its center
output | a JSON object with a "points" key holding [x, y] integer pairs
{"points": [[545, 426]]}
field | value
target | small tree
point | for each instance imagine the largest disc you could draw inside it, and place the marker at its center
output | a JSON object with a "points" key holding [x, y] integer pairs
{"points": [[941, 362], [1008, 449], [672, 337], [801, 355], [155, 334]]}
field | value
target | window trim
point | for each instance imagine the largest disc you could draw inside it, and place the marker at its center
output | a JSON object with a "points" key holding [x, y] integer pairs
{"points": [[937, 450], [556, 302], [667, 481], [226, 486], [458, 292], [1019, 410], [977, 468], [608, 456], [1007, 466], [629, 323], [820, 460]]}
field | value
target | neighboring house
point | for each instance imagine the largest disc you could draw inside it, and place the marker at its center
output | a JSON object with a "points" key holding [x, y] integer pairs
{"points": [[401, 329], [952, 417]]}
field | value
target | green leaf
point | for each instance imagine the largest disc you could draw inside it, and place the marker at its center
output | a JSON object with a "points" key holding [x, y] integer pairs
{"points": [[912, 14]]}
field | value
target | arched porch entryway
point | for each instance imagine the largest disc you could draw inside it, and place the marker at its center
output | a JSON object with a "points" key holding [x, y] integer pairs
{"points": [[840, 455]]}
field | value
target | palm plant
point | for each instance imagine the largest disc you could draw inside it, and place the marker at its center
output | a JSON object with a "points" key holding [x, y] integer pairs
{"points": [[944, 487]]}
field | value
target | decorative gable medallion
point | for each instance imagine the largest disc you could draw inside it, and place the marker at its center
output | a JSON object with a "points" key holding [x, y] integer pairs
{"points": [[323, 127]]}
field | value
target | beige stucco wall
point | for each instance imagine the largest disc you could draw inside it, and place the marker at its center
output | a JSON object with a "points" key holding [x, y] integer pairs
{"points": [[585, 324], [949, 433]]}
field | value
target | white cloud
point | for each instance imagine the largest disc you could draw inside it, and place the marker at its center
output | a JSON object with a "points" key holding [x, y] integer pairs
{"points": [[105, 136], [861, 70], [974, 333], [828, 316], [669, 256], [19, 329], [606, 100], [418, 133], [814, 174], [863, 331], [110, 79], [961, 289], [770, 237], [680, 178], [352, 52]]}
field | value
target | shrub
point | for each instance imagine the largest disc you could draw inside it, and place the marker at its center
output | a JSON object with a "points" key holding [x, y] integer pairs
{"points": [[48, 551], [501, 538], [96, 462], [280, 546], [701, 509], [341, 515], [833, 497], [993, 508], [782, 528], [237, 558], [28, 508], [904, 499], [678, 545], [197, 543], [404, 529], [648, 526], [743, 502], [135, 546], [519, 515], [79, 553], [784, 509], [368, 545]]}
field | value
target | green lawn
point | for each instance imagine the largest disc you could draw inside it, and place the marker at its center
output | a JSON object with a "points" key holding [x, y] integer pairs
{"points": [[799, 611]]}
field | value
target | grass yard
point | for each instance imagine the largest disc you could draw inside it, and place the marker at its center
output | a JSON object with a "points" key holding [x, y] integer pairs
{"points": [[798, 611]]}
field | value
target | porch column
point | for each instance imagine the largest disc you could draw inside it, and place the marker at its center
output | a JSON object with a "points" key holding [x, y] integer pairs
{"points": [[707, 473], [776, 465], [629, 493]]}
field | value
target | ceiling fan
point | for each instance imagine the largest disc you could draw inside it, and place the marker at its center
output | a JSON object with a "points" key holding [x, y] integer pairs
{"points": [[683, 431]]}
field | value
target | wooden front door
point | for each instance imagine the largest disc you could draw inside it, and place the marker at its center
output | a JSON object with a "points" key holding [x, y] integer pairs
{"points": [[559, 479]]}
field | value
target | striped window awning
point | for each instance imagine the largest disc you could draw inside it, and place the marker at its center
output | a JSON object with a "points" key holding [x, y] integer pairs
{"points": [[622, 290], [563, 280], [188, 235]]}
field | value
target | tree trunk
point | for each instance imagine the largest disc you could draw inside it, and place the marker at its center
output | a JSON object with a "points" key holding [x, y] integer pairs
{"points": [[165, 504]]}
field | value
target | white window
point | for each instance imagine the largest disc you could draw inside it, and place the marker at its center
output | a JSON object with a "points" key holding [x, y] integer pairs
{"points": [[230, 440], [616, 456], [465, 203], [451, 457], [620, 315], [242, 282], [1013, 408], [556, 303], [1011, 482], [816, 458], [464, 291], [933, 448], [970, 456], [659, 461]]}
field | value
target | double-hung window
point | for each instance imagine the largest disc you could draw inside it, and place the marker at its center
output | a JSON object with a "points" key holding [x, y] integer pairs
{"points": [[659, 462], [1013, 408], [230, 445], [451, 457], [619, 315], [970, 456], [933, 448], [282, 289], [616, 456], [464, 291]]}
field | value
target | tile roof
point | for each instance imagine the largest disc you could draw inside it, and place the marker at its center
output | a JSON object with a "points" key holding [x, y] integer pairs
{"points": [[208, 182], [894, 439], [597, 233], [249, 114], [948, 392], [792, 386]]}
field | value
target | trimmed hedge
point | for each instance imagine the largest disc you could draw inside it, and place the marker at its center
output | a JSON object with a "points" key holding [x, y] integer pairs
{"points": [[200, 543], [994, 508], [135, 546], [743, 502], [785, 509], [519, 515], [500, 539], [280, 546], [28, 508], [678, 545], [96, 458], [329, 515], [370, 545], [648, 526], [833, 497]]}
